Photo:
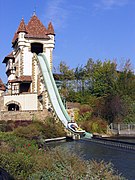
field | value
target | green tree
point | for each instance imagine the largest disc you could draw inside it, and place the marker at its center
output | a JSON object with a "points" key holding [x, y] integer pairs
{"points": [[104, 78], [66, 78], [126, 81]]}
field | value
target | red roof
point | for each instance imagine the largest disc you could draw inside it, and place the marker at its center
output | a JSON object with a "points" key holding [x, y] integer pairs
{"points": [[34, 29], [50, 29], [21, 79], [9, 56], [22, 27], [2, 86]]}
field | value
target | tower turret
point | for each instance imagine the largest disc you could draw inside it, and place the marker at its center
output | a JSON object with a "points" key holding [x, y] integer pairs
{"points": [[50, 29], [22, 27]]}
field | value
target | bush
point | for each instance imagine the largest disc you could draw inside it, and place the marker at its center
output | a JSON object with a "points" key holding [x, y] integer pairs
{"points": [[62, 164], [85, 109], [10, 126], [22, 123], [18, 164], [53, 129], [3, 125], [85, 113], [37, 129], [30, 131], [34, 129], [6, 126], [17, 155], [14, 142], [95, 125]]}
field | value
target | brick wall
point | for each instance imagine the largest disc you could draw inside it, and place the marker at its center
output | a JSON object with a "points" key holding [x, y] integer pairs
{"points": [[24, 115]]}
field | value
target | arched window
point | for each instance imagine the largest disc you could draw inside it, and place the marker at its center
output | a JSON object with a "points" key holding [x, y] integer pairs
{"points": [[13, 107], [36, 48]]}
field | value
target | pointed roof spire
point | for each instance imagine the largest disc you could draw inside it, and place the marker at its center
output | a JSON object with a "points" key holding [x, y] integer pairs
{"points": [[36, 29], [22, 27], [50, 29]]}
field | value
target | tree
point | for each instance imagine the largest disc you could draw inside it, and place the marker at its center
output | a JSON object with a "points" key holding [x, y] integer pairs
{"points": [[104, 78], [126, 81], [66, 78]]}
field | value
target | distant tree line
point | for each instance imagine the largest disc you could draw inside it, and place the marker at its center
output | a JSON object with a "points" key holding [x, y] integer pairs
{"points": [[109, 91]]}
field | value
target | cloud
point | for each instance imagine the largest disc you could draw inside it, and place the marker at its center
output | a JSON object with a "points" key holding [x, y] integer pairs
{"points": [[56, 13], [60, 11], [109, 4]]}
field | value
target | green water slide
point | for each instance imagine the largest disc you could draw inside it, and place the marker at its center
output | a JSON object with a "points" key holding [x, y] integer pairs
{"points": [[55, 98], [53, 91]]}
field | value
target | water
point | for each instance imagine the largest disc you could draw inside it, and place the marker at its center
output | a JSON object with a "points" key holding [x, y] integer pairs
{"points": [[122, 159], [124, 139]]}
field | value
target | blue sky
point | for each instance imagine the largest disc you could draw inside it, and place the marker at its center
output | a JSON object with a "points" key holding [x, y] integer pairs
{"points": [[98, 29]]}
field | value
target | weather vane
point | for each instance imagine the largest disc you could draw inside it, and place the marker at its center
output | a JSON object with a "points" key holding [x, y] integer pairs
{"points": [[34, 12]]}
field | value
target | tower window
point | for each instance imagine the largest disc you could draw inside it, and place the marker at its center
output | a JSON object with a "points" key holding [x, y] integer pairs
{"points": [[36, 48]]}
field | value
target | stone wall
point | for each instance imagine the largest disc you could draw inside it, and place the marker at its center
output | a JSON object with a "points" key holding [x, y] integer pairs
{"points": [[24, 115], [1, 102]]}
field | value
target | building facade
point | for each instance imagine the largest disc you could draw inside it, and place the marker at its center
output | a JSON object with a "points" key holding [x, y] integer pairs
{"points": [[25, 87]]}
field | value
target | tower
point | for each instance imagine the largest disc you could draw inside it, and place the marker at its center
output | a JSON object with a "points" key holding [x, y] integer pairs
{"points": [[25, 88]]}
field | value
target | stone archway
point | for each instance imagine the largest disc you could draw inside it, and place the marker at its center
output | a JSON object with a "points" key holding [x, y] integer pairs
{"points": [[13, 106]]}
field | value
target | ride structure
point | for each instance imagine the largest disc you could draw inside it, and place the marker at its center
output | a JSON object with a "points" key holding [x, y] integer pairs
{"points": [[55, 99]]}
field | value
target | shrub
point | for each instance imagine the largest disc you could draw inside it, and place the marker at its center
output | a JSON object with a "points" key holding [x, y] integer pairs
{"points": [[101, 170], [6, 126], [10, 126], [84, 109], [22, 123], [13, 141], [62, 164], [39, 131], [34, 129], [53, 129], [3, 125], [19, 164], [17, 155], [30, 131], [95, 125]]}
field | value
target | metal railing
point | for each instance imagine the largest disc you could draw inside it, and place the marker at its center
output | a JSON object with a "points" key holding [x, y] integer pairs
{"points": [[122, 129]]}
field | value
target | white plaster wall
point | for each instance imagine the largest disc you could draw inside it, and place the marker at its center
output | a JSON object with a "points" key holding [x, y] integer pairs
{"points": [[17, 59], [27, 101], [47, 53], [48, 56], [27, 62], [21, 36]]}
